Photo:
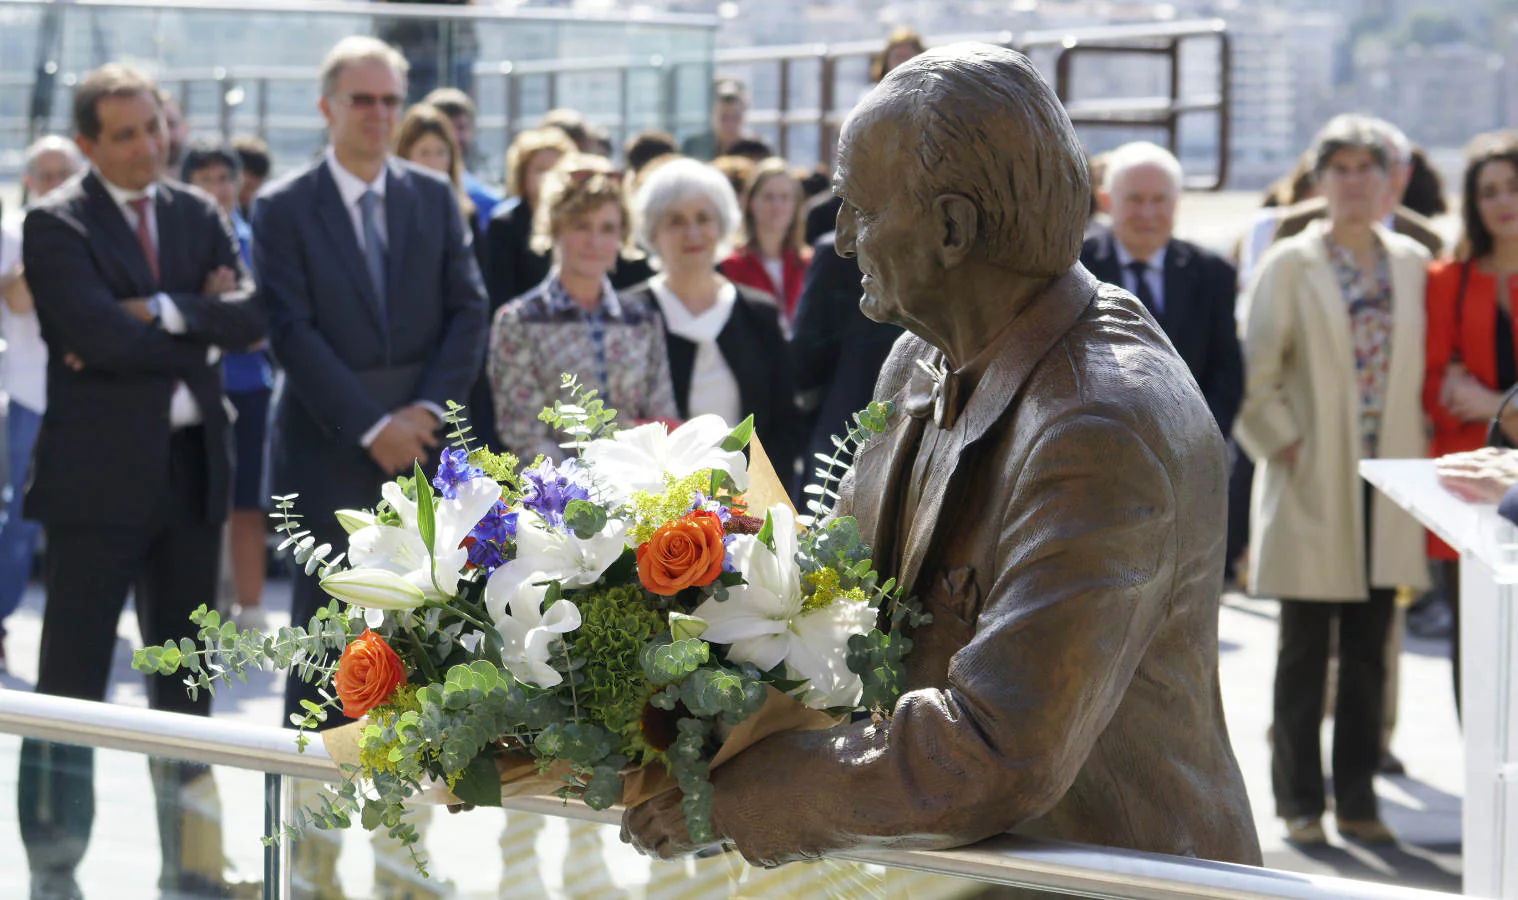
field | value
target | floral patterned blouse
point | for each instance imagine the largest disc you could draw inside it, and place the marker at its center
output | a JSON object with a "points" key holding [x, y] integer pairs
{"points": [[1369, 301], [618, 350]]}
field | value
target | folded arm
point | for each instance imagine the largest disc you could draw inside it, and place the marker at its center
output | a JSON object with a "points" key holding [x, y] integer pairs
{"points": [[80, 314], [231, 320]]}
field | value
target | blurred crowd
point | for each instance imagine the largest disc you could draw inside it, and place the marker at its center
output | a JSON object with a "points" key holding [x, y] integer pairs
{"points": [[239, 336]]}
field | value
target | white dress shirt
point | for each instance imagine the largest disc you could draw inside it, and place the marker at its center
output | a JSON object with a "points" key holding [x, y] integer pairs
{"points": [[183, 410], [1154, 275], [23, 367], [713, 388], [352, 188]]}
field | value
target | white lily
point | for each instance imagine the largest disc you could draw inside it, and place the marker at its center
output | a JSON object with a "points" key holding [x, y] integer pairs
{"points": [[637, 459], [374, 589], [399, 549], [571, 561], [514, 601], [353, 519], [763, 620]]}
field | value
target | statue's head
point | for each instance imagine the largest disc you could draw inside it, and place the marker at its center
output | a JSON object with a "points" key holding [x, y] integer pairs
{"points": [[962, 156]]}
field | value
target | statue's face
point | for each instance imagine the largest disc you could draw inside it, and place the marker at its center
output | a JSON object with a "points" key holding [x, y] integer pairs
{"points": [[881, 222]]}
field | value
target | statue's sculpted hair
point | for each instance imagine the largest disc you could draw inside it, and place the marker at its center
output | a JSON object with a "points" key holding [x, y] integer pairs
{"points": [[989, 127]]}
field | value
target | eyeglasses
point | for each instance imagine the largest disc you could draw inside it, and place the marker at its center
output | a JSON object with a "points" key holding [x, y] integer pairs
{"points": [[368, 101], [579, 176]]}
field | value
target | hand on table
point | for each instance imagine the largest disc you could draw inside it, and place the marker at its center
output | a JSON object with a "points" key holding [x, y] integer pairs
{"points": [[1479, 476]]}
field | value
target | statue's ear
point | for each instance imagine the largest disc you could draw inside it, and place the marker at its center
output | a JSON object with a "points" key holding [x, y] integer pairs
{"points": [[958, 227]]}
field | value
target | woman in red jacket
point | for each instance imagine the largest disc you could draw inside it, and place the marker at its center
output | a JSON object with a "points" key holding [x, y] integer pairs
{"points": [[771, 256], [1471, 336]]}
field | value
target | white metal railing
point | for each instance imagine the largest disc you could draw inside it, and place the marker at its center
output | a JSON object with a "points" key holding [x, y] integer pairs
{"points": [[1080, 870]]}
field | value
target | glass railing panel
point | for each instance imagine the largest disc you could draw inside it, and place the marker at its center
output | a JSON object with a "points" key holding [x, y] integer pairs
{"points": [[106, 822]]}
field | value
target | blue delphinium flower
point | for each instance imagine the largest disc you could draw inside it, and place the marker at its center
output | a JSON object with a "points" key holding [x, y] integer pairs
{"points": [[491, 536], [547, 489], [454, 470]]}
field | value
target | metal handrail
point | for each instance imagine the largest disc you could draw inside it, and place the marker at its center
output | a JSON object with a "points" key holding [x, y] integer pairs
{"points": [[398, 10], [1021, 862]]}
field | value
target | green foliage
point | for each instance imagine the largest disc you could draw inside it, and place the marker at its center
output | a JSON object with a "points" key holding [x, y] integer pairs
{"points": [[870, 421], [664, 661], [876, 658], [584, 518], [500, 468], [739, 437], [715, 691], [584, 418], [687, 763], [454, 418]]}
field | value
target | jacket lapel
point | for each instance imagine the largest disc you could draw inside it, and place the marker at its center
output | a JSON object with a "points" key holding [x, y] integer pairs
{"points": [[1026, 341], [881, 469], [1325, 289], [682, 361], [172, 265], [334, 218], [400, 217], [122, 240], [1179, 277]]}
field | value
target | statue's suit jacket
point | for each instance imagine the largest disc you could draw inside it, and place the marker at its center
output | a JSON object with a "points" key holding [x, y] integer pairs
{"points": [[1070, 550]]}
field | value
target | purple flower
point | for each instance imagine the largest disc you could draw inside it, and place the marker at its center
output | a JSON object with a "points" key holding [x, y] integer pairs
{"points": [[489, 539], [547, 490], [454, 470]]}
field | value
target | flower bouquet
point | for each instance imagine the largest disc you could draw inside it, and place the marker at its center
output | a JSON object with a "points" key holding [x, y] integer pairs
{"points": [[605, 628]]}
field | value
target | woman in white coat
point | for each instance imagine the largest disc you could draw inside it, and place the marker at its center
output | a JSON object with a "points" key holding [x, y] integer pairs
{"points": [[1333, 351]]}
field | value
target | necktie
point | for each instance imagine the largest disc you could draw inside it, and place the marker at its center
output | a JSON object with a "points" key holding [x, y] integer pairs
{"points": [[374, 249], [1141, 286], [145, 236]]}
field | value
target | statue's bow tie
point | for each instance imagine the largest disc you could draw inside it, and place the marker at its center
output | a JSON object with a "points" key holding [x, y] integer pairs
{"points": [[935, 392]]}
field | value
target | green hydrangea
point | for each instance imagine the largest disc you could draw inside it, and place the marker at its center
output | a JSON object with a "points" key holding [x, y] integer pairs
{"points": [[615, 624]]}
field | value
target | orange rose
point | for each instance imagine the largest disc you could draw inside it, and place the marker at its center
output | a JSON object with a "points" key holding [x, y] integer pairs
{"points": [[687, 552], [367, 674]]}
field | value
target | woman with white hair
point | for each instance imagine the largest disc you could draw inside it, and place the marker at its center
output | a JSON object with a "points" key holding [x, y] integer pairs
{"points": [[728, 352]]}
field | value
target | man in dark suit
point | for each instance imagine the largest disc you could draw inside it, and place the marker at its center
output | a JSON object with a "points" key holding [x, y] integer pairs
{"points": [[375, 306], [138, 287], [837, 352], [1189, 290]]}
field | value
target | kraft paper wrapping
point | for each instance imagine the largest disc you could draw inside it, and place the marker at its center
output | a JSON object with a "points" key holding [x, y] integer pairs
{"points": [[520, 775]]}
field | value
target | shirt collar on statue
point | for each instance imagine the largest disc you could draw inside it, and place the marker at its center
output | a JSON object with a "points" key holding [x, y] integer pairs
{"points": [[1156, 262], [350, 186]]}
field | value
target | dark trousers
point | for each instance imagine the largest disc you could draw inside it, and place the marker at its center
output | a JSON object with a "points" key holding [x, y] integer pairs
{"points": [[170, 562], [1301, 676]]}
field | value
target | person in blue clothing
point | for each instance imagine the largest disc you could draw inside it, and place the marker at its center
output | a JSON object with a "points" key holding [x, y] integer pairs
{"points": [[457, 106], [217, 170]]}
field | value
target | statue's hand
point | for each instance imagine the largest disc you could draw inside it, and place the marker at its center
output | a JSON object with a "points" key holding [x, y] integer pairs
{"points": [[656, 827]]}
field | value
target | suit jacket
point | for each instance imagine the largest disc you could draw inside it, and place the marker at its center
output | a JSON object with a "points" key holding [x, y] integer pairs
{"points": [[753, 345], [82, 259], [1404, 221], [838, 352], [1198, 316], [344, 369], [1069, 547]]}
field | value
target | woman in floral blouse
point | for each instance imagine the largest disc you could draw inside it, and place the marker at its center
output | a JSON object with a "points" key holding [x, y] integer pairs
{"points": [[574, 322], [1333, 351]]}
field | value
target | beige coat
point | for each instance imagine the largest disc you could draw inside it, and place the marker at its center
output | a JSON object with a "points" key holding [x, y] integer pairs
{"points": [[1307, 521]]}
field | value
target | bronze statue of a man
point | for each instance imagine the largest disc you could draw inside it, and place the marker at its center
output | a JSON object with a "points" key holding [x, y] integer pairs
{"points": [[1051, 487]]}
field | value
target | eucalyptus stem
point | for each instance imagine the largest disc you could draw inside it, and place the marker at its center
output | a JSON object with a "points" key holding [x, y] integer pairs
{"points": [[422, 657]]}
